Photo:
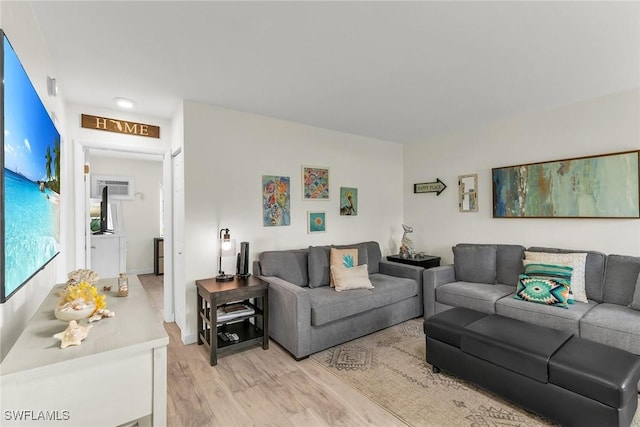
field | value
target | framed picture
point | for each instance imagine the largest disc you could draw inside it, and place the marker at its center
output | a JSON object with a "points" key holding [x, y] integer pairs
{"points": [[348, 201], [316, 222], [276, 200], [468, 193], [603, 186], [315, 183]]}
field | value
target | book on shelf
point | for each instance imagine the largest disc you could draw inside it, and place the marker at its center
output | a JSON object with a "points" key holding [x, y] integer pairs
{"points": [[233, 311]]}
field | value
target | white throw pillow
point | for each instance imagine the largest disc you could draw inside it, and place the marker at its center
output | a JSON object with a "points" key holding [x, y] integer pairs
{"points": [[345, 258], [577, 260], [351, 278]]}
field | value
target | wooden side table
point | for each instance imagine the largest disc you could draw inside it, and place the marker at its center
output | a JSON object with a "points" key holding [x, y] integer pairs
{"points": [[251, 328], [426, 261]]}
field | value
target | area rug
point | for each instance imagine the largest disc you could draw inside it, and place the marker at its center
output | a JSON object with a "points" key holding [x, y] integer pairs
{"points": [[389, 367]]}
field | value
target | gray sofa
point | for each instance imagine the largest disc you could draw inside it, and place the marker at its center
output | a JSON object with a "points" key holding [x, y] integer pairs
{"points": [[484, 278], [306, 315]]}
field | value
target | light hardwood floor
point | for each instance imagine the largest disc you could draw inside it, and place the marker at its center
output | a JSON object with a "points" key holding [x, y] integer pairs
{"points": [[257, 387]]}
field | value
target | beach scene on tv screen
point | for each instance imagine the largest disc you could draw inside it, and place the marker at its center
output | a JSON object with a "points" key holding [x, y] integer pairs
{"points": [[31, 178]]}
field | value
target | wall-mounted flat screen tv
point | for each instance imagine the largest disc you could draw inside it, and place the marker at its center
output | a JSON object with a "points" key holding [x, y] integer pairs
{"points": [[30, 181]]}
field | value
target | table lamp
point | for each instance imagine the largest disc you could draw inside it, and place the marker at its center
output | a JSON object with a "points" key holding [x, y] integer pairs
{"points": [[227, 249]]}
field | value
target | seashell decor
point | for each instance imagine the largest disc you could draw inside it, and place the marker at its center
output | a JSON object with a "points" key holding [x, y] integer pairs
{"points": [[73, 335], [82, 275]]}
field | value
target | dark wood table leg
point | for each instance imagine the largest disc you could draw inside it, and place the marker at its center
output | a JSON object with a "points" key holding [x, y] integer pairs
{"points": [[265, 320], [213, 349]]}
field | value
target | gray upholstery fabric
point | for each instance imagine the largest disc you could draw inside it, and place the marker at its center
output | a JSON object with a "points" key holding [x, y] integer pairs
{"points": [[613, 325], [475, 263], [433, 278], [327, 305], [509, 264], [545, 315], [374, 256], [319, 266], [388, 290], [620, 276], [288, 265], [476, 296], [594, 269], [396, 269], [635, 304]]}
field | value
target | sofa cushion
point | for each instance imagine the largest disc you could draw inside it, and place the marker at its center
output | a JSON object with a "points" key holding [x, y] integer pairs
{"points": [[544, 315], [328, 305], [620, 277], [540, 290], [343, 258], [576, 260], [287, 265], [475, 263], [635, 304], [319, 266], [614, 325], [594, 270], [475, 296], [350, 278], [509, 263], [389, 289]]}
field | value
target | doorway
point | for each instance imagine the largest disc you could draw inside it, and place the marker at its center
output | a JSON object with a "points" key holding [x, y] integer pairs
{"points": [[88, 152]]}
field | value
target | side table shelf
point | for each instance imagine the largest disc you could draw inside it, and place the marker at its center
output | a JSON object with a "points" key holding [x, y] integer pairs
{"points": [[251, 328]]}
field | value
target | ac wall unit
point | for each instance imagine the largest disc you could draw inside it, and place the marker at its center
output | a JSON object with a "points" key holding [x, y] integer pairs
{"points": [[120, 187]]}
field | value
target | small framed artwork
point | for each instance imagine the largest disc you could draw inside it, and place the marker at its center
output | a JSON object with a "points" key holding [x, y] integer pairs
{"points": [[276, 201], [316, 222], [315, 183], [348, 201], [468, 193]]}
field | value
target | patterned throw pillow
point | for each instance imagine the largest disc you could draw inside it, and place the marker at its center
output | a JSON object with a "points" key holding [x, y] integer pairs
{"points": [[552, 292], [550, 271], [342, 258], [577, 260]]}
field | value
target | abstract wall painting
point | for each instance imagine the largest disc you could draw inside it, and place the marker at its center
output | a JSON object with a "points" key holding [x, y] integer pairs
{"points": [[316, 222], [348, 201], [276, 200], [603, 186], [315, 183]]}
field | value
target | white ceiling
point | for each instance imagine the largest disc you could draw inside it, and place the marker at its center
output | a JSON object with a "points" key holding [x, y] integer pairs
{"points": [[398, 71]]}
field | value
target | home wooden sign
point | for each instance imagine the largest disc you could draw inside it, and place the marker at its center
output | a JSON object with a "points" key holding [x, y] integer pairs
{"points": [[120, 126]]}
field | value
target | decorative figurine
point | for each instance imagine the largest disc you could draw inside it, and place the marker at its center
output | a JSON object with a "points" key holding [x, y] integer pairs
{"points": [[406, 243]]}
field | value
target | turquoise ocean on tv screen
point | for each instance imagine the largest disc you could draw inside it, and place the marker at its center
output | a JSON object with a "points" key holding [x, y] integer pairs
{"points": [[31, 228]]}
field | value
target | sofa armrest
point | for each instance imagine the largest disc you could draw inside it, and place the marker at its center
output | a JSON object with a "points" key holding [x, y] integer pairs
{"points": [[289, 316], [402, 270], [432, 278]]}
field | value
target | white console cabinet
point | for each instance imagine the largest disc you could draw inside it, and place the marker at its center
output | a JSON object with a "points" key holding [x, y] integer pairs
{"points": [[109, 254], [117, 376]]}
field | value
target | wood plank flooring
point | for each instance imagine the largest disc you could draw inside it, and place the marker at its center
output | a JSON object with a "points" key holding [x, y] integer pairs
{"points": [[256, 387]]}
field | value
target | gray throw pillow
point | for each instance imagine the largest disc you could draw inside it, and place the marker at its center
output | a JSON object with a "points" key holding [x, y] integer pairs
{"points": [[319, 266], [635, 304], [475, 263], [287, 265]]}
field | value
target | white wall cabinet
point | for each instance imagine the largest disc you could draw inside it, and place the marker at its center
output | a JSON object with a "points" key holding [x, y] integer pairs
{"points": [[109, 254]]}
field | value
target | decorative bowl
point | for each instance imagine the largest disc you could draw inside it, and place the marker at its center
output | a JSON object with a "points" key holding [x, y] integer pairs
{"points": [[68, 315]]}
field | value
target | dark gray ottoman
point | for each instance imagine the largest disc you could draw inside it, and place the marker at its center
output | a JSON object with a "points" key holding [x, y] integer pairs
{"points": [[567, 379]]}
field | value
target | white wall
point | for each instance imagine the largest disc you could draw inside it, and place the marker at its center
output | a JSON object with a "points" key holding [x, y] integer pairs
{"points": [[603, 125], [20, 26], [227, 152], [141, 215]]}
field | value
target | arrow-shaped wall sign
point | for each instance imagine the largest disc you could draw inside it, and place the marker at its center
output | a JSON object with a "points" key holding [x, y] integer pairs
{"points": [[430, 187]]}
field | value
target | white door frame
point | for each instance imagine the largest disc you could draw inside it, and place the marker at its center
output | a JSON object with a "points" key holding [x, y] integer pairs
{"points": [[83, 239]]}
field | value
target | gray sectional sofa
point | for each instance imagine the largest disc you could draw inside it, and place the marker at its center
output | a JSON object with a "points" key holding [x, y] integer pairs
{"points": [[484, 278], [306, 315]]}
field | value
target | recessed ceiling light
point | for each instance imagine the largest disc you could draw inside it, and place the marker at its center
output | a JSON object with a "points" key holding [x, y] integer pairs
{"points": [[125, 103]]}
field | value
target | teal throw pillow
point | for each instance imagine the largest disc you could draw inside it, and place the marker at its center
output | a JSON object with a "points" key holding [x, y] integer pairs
{"points": [[553, 292], [551, 271]]}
